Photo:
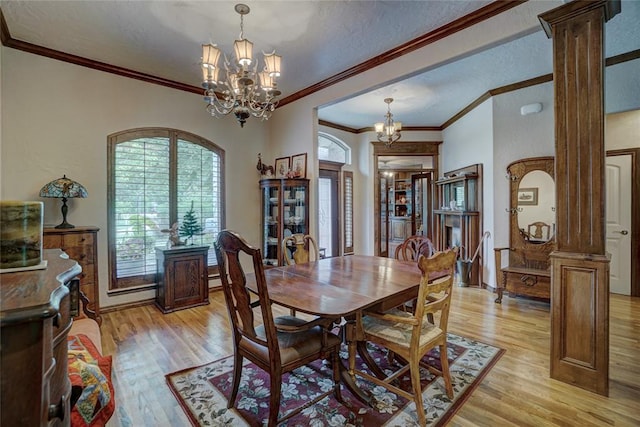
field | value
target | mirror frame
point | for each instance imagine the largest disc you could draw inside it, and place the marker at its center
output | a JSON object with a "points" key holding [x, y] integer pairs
{"points": [[534, 255]]}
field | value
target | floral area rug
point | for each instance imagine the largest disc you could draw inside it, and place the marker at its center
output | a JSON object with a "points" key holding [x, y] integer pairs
{"points": [[203, 391]]}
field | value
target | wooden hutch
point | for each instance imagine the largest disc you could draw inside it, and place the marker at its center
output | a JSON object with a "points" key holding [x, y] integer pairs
{"points": [[458, 217]]}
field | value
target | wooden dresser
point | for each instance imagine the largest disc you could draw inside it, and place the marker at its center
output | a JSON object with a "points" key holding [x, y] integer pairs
{"points": [[81, 244], [182, 277], [35, 321]]}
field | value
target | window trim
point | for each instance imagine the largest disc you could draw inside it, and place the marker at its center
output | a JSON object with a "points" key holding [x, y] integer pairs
{"points": [[347, 250], [144, 282], [339, 143]]}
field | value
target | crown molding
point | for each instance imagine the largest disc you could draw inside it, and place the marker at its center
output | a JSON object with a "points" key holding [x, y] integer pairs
{"points": [[481, 14], [8, 41]]}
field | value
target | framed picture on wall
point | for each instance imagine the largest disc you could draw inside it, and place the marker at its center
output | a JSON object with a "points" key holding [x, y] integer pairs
{"points": [[299, 165], [528, 196], [282, 166]]}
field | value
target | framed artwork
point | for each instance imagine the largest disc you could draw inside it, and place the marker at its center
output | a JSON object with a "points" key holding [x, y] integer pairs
{"points": [[299, 165], [282, 166], [528, 196]]}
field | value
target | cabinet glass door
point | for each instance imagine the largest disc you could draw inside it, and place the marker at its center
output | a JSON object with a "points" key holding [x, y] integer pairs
{"points": [[421, 186], [384, 216], [271, 218], [294, 211]]}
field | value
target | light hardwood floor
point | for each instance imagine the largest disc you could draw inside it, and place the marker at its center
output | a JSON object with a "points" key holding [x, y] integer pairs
{"points": [[146, 345]]}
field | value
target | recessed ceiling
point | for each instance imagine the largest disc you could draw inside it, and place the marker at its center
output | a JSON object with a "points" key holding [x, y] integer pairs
{"points": [[317, 39]]}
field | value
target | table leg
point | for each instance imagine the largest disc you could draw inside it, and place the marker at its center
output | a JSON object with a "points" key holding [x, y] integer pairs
{"points": [[348, 377]]}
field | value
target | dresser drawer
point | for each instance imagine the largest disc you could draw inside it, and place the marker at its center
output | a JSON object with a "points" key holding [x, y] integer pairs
{"points": [[529, 285], [81, 254], [80, 244], [52, 241]]}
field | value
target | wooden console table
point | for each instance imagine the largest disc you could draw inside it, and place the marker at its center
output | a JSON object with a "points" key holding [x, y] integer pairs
{"points": [[34, 323]]}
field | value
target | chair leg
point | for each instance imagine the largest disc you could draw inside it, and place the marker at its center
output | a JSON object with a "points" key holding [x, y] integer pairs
{"points": [[274, 399], [417, 390], [444, 361], [366, 358], [237, 373], [292, 312]]}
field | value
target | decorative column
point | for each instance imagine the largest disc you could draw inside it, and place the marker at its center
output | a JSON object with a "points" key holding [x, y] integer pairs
{"points": [[580, 266]]}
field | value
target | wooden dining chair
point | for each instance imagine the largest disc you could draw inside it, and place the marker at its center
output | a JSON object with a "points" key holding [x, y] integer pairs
{"points": [[409, 250], [539, 231], [413, 247], [299, 242], [411, 335], [302, 245], [278, 345]]}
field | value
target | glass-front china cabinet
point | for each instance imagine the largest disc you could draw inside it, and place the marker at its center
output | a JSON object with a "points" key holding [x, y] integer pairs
{"points": [[285, 211]]}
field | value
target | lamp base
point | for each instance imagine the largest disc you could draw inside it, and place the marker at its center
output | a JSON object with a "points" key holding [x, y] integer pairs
{"points": [[65, 224], [64, 209]]}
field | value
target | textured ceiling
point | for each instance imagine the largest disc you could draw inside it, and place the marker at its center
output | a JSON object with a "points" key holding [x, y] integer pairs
{"points": [[317, 40]]}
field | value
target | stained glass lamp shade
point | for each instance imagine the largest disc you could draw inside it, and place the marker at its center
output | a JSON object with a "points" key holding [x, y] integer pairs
{"points": [[64, 188]]}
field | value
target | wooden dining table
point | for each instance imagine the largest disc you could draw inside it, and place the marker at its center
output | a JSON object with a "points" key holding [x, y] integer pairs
{"points": [[341, 287]]}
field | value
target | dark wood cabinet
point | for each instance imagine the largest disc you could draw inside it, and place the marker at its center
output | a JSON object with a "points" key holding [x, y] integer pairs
{"points": [[182, 277], [81, 244], [284, 212], [458, 219], [34, 323]]}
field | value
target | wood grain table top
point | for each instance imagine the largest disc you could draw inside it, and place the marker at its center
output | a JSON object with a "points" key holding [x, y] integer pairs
{"points": [[341, 286]]}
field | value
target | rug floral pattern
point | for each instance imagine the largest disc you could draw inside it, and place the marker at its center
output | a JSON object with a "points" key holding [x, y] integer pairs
{"points": [[203, 391]]}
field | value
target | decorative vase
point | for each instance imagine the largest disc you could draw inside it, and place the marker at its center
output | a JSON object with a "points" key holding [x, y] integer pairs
{"points": [[20, 234]]}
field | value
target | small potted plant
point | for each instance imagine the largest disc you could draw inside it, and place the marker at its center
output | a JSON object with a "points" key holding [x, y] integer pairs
{"points": [[190, 226]]}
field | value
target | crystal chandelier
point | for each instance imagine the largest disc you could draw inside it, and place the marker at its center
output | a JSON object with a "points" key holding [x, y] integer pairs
{"points": [[389, 131], [239, 92]]}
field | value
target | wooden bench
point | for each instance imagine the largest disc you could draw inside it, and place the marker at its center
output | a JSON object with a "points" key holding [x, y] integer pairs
{"points": [[527, 277]]}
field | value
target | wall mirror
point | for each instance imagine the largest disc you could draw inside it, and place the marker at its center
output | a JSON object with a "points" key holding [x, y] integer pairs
{"points": [[532, 230], [536, 200], [532, 205]]}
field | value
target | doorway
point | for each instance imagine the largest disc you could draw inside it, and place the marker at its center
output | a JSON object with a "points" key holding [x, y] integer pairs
{"points": [[396, 193], [406, 199], [623, 220], [328, 211]]}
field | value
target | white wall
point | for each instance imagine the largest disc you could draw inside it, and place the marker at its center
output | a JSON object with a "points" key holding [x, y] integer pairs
{"points": [[55, 120], [469, 141], [516, 137], [622, 130]]}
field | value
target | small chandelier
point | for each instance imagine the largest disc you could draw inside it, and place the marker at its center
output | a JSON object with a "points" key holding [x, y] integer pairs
{"points": [[389, 131], [239, 92]]}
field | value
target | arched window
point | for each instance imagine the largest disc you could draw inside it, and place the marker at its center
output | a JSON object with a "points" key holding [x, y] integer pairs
{"points": [[332, 149], [156, 176]]}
